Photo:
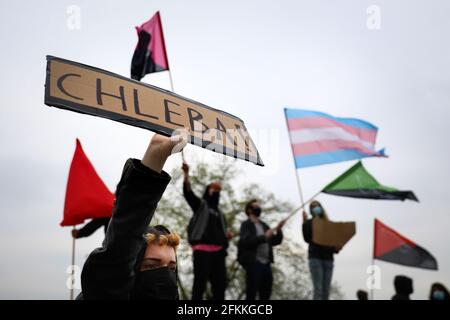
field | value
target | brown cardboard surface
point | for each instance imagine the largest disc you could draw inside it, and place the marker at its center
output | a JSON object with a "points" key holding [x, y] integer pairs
{"points": [[81, 88], [330, 233]]}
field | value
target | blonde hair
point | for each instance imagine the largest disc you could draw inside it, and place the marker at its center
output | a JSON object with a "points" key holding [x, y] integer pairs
{"points": [[171, 239]]}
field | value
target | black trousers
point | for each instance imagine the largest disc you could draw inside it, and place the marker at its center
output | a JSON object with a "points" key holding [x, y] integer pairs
{"points": [[259, 281], [209, 266]]}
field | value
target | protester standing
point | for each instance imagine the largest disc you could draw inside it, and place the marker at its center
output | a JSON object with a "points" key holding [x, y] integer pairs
{"points": [[255, 252], [321, 258], [208, 236]]}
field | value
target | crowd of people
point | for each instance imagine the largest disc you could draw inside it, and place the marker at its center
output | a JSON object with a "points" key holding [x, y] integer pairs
{"points": [[403, 286], [139, 261]]}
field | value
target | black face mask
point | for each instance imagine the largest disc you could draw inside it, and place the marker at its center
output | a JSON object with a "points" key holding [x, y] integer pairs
{"points": [[213, 200], [256, 211], [156, 284]]}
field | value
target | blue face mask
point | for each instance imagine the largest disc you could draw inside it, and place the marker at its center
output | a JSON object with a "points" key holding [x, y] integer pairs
{"points": [[438, 295], [317, 211]]}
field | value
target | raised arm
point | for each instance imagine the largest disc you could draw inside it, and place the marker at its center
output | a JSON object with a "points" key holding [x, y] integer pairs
{"points": [[109, 271], [191, 198]]}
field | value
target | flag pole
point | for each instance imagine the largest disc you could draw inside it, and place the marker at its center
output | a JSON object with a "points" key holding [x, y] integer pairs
{"points": [[73, 265], [171, 80], [302, 205], [373, 258], [171, 86], [168, 69], [373, 273], [299, 186]]}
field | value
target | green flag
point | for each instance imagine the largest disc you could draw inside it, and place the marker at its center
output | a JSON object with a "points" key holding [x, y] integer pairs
{"points": [[356, 182]]}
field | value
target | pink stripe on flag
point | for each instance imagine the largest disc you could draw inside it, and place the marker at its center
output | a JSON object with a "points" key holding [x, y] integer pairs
{"points": [[156, 44], [320, 122], [320, 146]]}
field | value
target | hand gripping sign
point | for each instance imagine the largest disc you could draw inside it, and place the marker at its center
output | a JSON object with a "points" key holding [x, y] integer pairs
{"points": [[81, 88]]}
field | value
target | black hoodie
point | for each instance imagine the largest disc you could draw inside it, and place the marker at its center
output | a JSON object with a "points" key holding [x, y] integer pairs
{"points": [[208, 225], [110, 271]]}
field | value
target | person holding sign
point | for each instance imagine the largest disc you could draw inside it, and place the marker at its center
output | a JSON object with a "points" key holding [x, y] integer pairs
{"points": [[255, 251], [321, 261], [208, 236], [136, 261]]}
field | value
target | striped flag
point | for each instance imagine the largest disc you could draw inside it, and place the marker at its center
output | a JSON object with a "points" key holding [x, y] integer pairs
{"points": [[318, 138]]}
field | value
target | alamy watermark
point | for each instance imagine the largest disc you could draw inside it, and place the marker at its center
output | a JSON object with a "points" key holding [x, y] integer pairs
{"points": [[73, 17], [73, 281], [373, 281], [373, 21]]}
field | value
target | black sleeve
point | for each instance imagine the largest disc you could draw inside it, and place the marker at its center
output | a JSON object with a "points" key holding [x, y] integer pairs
{"points": [[90, 227], [277, 238], [307, 231], [107, 224], [249, 239], [109, 271], [193, 201]]}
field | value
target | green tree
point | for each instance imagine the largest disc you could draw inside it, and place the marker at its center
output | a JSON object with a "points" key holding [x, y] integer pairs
{"points": [[291, 274]]}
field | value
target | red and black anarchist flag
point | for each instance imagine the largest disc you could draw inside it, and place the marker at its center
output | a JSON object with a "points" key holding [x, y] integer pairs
{"points": [[150, 53], [87, 197], [391, 246]]}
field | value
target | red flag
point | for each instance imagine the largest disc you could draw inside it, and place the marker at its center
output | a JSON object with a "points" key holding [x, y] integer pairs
{"points": [[86, 195], [150, 53], [391, 246]]}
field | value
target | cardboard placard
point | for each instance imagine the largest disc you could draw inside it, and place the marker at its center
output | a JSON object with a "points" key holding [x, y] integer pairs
{"points": [[334, 234], [81, 88]]}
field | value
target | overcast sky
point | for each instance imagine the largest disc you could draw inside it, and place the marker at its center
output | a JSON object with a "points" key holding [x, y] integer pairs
{"points": [[249, 58]]}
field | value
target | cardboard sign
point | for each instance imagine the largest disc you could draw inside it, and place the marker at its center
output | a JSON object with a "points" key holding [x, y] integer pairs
{"points": [[81, 88], [334, 234]]}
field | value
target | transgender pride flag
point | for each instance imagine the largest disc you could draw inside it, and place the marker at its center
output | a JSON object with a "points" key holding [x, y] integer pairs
{"points": [[319, 138]]}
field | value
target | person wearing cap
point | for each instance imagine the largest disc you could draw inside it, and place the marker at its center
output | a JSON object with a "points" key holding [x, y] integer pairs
{"points": [[208, 236]]}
